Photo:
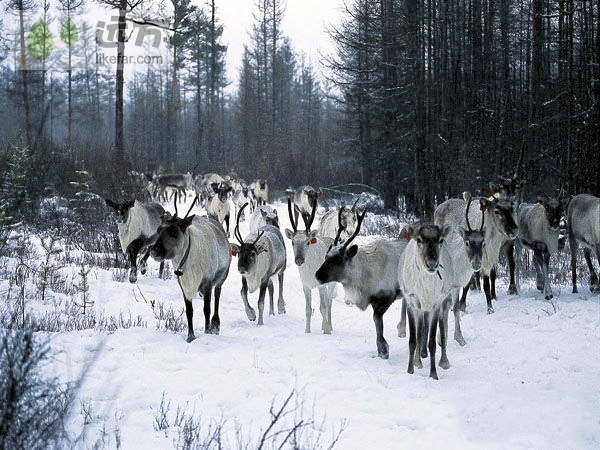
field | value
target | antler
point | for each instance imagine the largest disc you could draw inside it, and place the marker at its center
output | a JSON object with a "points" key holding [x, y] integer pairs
{"points": [[175, 203], [236, 231], [467, 212], [340, 227], [482, 220], [354, 206], [307, 224], [357, 230], [260, 233], [190, 210], [294, 224]]}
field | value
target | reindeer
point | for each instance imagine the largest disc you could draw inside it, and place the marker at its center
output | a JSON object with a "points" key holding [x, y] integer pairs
{"points": [[309, 254], [178, 182], [369, 275], [538, 231], [260, 190], [305, 198], [499, 217], [583, 223], [136, 222], [199, 250], [261, 256], [331, 220], [218, 208]]}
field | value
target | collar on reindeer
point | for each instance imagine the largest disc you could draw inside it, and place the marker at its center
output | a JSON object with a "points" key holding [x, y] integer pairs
{"points": [[179, 270], [313, 241]]}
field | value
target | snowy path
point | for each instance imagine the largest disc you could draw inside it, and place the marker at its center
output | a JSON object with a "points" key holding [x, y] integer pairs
{"points": [[527, 378]]}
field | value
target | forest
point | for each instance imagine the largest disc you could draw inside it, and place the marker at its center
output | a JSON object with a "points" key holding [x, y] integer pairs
{"points": [[421, 100]]}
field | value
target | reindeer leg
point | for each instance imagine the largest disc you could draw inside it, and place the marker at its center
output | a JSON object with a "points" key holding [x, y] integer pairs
{"points": [[574, 246], [402, 324], [463, 298], [271, 290], [325, 306], [380, 306], [244, 292], [538, 261], [132, 252], [488, 295], [215, 323], [420, 317], [593, 277], [510, 256], [545, 264], [227, 223], [206, 297], [307, 307], [261, 303], [458, 336], [189, 312], [493, 282], [412, 340], [443, 322], [161, 269], [280, 301], [424, 334], [434, 318]]}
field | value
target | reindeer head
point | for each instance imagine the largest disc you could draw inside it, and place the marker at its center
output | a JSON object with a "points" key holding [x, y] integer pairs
{"points": [[121, 209], [501, 214], [474, 240], [301, 239], [247, 252], [339, 257], [169, 239], [270, 216], [554, 210], [429, 239]]}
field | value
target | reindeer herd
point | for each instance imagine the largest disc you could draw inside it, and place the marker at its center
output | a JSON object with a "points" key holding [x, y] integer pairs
{"points": [[426, 266]]}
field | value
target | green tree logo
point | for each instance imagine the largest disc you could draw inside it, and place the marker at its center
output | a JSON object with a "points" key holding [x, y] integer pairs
{"points": [[69, 33], [39, 41]]}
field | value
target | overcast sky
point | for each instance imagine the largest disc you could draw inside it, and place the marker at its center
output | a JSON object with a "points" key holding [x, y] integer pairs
{"points": [[305, 22]]}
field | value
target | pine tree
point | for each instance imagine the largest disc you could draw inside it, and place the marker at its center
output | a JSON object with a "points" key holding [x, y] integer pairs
{"points": [[83, 201], [48, 269], [84, 289]]}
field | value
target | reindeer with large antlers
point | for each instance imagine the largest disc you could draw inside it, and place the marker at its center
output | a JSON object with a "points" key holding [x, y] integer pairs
{"points": [[309, 254], [261, 256], [369, 275]]}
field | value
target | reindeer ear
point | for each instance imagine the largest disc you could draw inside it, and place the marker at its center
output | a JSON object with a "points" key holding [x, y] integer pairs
{"points": [[484, 203], [110, 203], [463, 233], [130, 204], [352, 250], [289, 233], [313, 234], [234, 249], [187, 221], [446, 231]]}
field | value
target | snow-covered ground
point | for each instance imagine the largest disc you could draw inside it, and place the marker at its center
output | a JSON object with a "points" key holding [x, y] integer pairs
{"points": [[527, 378]]}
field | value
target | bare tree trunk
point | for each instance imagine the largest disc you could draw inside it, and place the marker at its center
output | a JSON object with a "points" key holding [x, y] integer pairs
{"points": [[24, 75], [119, 142]]}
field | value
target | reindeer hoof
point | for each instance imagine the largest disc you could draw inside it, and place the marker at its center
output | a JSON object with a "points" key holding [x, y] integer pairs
{"points": [[512, 290], [433, 375], [411, 369], [190, 337], [490, 310], [461, 340], [251, 315], [444, 364], [132, 277], [383, 350], [548, 296]]}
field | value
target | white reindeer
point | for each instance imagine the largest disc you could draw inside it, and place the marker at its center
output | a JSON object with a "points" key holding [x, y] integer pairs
{"points": [[309, 254]]}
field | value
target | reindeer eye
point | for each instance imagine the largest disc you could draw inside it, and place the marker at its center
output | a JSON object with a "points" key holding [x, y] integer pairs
{"points": [[496, 212], [467, 243], [419, 241]]}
